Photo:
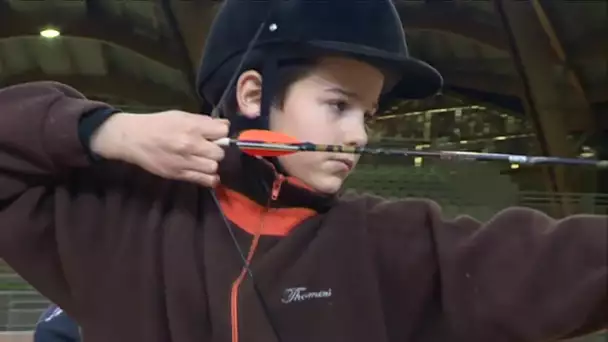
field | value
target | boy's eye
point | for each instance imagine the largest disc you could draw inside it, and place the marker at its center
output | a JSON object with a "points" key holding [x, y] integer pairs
{"points": [[339, 105]]}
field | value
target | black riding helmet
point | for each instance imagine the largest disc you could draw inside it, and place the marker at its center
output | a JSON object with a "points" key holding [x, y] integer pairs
{"points": [[272, 33]]}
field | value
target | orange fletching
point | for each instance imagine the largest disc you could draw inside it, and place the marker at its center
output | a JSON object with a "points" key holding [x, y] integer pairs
{"points": [[256, 152], [264, 136]]}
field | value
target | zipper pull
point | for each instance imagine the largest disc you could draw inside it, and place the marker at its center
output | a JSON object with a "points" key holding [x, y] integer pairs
{"points": [[276, 187]]}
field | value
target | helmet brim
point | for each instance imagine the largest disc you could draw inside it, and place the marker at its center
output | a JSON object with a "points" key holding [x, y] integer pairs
{"points": [[410, 78], [407, 78]]}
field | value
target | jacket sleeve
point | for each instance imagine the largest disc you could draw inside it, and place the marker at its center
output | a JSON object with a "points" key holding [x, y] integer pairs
{"points": [[39, 145], [521, 276], [39, 134]]}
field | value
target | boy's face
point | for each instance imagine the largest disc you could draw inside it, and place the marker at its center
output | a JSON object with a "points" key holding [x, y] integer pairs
{"points": [[328, 106]]}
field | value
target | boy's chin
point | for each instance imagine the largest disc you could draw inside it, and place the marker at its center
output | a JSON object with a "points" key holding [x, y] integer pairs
{"points": [[326, 184]]}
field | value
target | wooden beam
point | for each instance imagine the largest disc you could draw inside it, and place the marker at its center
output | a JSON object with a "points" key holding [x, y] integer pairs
{"points": [[579, 95], [530, 50]]}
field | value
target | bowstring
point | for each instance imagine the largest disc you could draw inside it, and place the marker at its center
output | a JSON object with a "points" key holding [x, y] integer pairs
{"points": [[215, 113]]}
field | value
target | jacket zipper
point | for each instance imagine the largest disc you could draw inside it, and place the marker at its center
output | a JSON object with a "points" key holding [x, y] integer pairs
{"points": [[276, 187], [234, 293]]}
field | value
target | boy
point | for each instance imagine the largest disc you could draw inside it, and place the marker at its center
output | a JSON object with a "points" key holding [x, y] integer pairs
{"points": [[106, 213]]}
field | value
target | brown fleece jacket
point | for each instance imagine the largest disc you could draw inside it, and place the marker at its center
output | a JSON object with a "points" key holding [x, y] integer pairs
{"points": [[133, 257]]}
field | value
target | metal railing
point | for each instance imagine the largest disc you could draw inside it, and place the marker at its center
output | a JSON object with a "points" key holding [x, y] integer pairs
{"points": [[584, 203], [20, 310]]}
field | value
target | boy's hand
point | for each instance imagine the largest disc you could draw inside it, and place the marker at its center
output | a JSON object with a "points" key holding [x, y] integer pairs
{"points": [[171, 144]]}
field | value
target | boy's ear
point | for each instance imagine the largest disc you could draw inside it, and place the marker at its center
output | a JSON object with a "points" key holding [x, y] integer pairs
{"points": [[249, 94]]}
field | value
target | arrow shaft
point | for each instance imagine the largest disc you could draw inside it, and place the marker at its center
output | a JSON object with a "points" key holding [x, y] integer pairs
{"points": [[445, 155]]}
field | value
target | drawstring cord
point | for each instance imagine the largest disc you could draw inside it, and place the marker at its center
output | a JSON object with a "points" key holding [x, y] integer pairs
{"points": [[276, 187]]}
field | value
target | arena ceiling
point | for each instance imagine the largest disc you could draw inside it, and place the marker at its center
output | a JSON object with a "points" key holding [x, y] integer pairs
{"points": [[134, 41], [545, 60], [144, 51]]}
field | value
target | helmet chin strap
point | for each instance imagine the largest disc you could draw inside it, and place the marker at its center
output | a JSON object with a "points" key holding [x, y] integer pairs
{"points": [[269, 87]]}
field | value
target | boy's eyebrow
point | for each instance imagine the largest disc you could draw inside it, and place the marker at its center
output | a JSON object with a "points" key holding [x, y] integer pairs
{"points": [[347, 93]]}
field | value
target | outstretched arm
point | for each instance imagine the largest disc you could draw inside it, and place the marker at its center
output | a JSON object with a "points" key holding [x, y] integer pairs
{"points": [[526, 275], [521, 276]]}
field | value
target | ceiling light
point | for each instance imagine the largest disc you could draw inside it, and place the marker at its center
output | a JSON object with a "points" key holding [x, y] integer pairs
{"points": [[50, 33]]}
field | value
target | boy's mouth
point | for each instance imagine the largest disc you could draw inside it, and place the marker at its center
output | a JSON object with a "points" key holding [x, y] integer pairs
{"points": [[348, 164]]}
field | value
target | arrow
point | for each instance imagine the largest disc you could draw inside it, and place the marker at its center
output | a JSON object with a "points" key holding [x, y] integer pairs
{"points": [[263, 143]]}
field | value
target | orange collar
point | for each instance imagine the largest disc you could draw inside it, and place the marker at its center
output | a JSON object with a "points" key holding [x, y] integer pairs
{"points": [[259, 200]]}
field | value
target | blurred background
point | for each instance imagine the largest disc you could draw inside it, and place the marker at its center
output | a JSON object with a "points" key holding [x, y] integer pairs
{"points": [[522, 77]]}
